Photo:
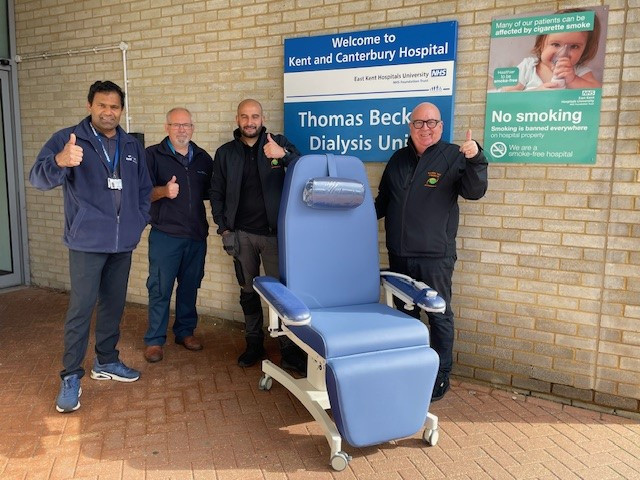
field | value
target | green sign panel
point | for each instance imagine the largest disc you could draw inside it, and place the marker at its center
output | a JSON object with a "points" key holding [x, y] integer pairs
{"points": [[543, 127], [566, 22], [545, 87]]}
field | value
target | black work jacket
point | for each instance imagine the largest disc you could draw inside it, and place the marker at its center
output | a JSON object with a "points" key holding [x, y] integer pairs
{"points": [[418, 197], [226, 182]]}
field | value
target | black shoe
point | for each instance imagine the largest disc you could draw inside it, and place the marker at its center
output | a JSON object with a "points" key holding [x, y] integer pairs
{"points": [[293, 358], [441, 387], [252, 355]]}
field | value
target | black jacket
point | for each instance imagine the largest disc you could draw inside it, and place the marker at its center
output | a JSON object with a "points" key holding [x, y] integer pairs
{"points": [[418, 197], [228, 165], [185, 215]]}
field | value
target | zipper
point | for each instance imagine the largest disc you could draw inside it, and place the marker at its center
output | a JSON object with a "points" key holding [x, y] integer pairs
{"points": [[121, 200], [407, 190], [117, 231], [189, 188], [113, 194]]}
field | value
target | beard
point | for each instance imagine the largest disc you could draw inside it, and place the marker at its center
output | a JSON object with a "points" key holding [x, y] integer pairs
{"points": [[250, 132]]}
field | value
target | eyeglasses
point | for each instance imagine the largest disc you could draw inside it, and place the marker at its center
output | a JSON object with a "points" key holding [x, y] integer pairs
{"points": [[431, 123], [178, 126]]}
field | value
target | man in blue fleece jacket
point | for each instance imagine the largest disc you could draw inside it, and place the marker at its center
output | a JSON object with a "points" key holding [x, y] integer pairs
{"points": [[106, 189]]}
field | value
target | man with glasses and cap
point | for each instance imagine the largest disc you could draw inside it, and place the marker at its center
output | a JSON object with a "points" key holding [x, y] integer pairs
{"points": [[180, 172], [418, 198]]}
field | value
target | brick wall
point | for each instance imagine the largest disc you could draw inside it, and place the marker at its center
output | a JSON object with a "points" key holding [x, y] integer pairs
{"points": [[547, 285]]}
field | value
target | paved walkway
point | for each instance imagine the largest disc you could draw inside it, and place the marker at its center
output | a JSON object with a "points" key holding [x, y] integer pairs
{"points": [[196, 415]]}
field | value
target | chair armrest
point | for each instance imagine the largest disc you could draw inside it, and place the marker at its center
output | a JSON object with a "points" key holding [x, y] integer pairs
{"points": [[412, 291], [289, 308]]}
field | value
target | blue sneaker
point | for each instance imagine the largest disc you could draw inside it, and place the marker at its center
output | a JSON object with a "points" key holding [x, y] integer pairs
{"points": [[114, 371], [69, 396]]}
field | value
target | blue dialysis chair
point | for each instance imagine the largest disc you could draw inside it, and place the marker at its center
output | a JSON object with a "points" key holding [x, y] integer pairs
{"points": [[369, 363]]}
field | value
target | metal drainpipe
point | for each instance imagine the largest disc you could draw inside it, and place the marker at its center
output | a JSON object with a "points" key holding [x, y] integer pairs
{"points": [[124, 46]]}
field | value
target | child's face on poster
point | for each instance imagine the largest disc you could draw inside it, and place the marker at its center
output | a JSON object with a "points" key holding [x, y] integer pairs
{"points": [[575, 42]]}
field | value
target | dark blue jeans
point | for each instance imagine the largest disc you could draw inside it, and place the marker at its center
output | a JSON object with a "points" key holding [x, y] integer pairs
{"points": [[172, 258], [94, 276], [437, 273]]}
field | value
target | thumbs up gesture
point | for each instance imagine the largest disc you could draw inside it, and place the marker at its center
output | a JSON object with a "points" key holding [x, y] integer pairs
{"points": [[272, 149], [172, 188], [469, 148], [71, 154]]}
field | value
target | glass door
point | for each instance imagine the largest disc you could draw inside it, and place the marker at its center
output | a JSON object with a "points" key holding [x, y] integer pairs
{"points": [[10, 242]]}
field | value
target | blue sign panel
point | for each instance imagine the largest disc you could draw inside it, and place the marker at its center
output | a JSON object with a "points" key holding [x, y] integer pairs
{"points": [[353, 93]]}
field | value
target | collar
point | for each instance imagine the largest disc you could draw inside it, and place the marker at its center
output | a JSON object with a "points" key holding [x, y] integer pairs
{"points": [[83, 129], [415, 152]]}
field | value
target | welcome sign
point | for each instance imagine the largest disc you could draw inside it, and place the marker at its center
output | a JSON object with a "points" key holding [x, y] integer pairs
{"points": [[353, 93]]}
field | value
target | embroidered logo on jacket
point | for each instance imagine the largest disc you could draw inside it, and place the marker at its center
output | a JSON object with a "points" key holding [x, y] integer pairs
{"points": [[432, 179], [131, 158]]}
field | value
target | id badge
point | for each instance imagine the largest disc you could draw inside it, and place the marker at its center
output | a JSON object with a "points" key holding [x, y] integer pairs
{"points": [[114, 183]]}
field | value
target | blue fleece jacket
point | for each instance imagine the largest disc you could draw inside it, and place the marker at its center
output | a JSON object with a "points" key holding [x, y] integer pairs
{"points": [[93, 222]]}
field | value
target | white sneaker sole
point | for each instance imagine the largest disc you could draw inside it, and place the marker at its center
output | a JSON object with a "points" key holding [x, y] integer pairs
{"points": [[63, 410], [111, 376]]}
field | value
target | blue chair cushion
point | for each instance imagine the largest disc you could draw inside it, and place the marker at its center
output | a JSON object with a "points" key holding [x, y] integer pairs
{"points": [[355, 329], [377, 397]]}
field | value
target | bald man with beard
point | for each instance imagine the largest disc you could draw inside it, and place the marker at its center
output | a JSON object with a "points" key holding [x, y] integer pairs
{"points": [[246, 187]]}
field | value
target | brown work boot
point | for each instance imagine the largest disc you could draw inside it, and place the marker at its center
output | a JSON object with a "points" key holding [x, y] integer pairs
{"points": [[190, 343], [153, 353]]}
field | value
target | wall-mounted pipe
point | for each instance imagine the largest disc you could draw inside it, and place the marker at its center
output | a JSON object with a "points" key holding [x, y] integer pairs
{"points": [[123, 46]]}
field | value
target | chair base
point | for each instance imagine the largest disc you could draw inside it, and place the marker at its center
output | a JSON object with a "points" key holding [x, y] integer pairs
{"points": [[316, 401], [312, 393]]}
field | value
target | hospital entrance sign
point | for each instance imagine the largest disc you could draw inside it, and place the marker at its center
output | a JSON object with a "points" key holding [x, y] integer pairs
{"points": [[353, 93]]}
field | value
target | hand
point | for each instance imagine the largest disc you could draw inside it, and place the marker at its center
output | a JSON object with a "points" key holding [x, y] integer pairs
{"points": [[71, 154], [229, 243], [272, 149], [564, 69], [469, 148], [172, 188]]}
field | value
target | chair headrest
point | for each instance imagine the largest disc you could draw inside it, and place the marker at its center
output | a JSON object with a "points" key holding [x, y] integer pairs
{"points": [[333, 193]]}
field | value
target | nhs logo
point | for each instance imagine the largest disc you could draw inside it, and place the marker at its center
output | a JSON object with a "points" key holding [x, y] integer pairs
{"points": [[439, 72]]}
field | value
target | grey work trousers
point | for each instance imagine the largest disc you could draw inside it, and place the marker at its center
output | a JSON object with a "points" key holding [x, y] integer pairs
{"points": [[252, 252]]}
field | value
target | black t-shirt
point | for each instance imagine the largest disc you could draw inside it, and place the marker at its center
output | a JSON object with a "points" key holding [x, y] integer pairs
{"points": [[252, 214]]}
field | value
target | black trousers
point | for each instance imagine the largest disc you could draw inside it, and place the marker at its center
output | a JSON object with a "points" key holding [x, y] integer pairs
{"points": [[437, 273], [254, 250], [101, 277]]}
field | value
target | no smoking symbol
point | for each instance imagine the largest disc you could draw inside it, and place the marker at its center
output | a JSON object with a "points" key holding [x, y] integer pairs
{"points": [[498, 149]]}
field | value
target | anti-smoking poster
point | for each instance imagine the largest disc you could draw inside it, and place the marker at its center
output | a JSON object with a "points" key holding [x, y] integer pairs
{"points": [[545, 87], [353, 93]]}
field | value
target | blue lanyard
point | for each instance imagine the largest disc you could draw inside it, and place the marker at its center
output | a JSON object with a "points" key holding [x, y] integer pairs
{"points": [[106, 154]]}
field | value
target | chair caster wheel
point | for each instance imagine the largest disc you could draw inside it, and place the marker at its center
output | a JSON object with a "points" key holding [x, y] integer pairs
{"points": [[265, 383], [340, 461], [431, 437]]}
